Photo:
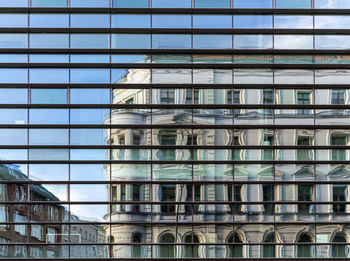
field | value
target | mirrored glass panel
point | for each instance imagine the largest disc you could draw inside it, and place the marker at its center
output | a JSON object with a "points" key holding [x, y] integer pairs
{"points": [[130, 4], [130, 41], [13, 96], [252, 41], [171, 41], [49, 20], [131, 21], [252, 21], [171, 21], [89, 20], [171, 4], [293, 21], [48, 96], [212, 21]]}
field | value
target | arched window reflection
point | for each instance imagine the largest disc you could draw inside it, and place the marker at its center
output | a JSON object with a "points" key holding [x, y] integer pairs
{"points": [[307, 249], [235, 249], [269, 250], [192, 247], [339, 250], [137, 249], [168, 249]]}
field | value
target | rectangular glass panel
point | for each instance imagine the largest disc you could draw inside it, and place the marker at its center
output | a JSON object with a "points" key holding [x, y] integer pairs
{"points": [[48, 137], [171, 4], [332, 21], [131, 41], [88, 172], [13, 116], [12, 154], [130, 58], [48, 58], [212, 21], [332, 77], [89, 20], [89, 58], [215, 76], [50, 3], [89, 96], [93, 41], [89, 116], [13, 20], [48, 154], [212, 3], [332, 41], [126, 76], [89, 154], [89, 3], [293, 21], [14, 3], [48, 172], [171, 21], [331, 4], [171, 76], [252, 3], [49, 20], [48, 116], [202, 41], [131, 21], [88, 137], [13, 75], [293, 3], [89, 75], [247, 76], [294, 77], [13, 40], [13, 58], [212, 58], [48, 96], [252, 41], [293, 42], [171, 41], [49, 41], [252, 21], [13, 96], [131, 4], [48, 75], [13, 136], [130, 96]]}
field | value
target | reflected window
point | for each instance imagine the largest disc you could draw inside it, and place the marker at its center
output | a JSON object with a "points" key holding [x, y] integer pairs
{"points": [[167, 251], [192, 248], [340, 193], [269, 250], [304, 250], [304, 98], [168, 193], [137, 249], [340, 250], [268, 195], [338, 140], [305, 193], [235, 249]]}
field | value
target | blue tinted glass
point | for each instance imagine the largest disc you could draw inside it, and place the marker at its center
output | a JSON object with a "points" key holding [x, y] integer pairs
{"points": [[13, 58], [12, 96], [171, 41], [90, 76], [14, 3], [252, 41], [202, 41], [128, 3], [98, 41], [49, 20], [13, 40], [212, 21], [132, 41], [293, 42], [48, 116], [89, 96], [171, 21], [13, 20], [89, 116], [13, 116], [171, 4], [89, 20], [49, 58], [13, 75], [13, 137], [89, 58], [49, 41], [89, 3], [48, 171], [90, 154], [88, 137], [252, 21], [48, 96], [212, 3], [125, 76], [88, 172], [332, 41], [332, 4], [130, 58], [49, 3], [131, 21], [9, 154], [48, 154], [252, 3], [293, 21], [332, 22], [48, 137], [48, 75], [293, 3]]}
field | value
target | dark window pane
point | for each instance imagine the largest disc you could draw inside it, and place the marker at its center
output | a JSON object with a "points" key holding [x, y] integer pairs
{"points": [[128, 3], [131, 21], [49, 3], [171, 4], [212, 3]]}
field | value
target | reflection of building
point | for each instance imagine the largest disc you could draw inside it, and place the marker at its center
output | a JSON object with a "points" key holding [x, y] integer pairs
{"points": [[268, 212], [20, 214]]}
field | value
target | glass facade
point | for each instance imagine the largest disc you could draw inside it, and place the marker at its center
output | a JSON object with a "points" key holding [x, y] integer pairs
{"points": [[174, 129]]}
